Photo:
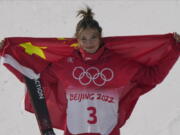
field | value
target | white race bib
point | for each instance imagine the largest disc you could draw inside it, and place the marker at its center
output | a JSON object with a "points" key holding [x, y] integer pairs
{"points": [[92, 112]]}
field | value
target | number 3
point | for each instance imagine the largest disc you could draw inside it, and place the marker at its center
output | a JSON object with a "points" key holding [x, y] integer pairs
{"points": [[92, 115]]}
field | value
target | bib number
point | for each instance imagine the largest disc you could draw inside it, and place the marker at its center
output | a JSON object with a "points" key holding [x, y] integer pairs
{"points": [[92, 115]]}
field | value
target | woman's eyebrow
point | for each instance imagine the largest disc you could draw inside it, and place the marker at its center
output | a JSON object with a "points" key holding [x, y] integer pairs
{"points": [[94, 34]]}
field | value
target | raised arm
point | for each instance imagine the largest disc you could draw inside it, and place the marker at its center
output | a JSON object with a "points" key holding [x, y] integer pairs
{"points": [[156, 73]]}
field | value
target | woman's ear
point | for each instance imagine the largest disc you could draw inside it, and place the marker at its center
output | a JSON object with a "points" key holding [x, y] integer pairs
{"points": [[78, 40]]}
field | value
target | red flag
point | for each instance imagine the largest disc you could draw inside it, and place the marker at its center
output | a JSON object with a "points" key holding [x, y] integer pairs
{"points": [[29, 56], [32, 56]]}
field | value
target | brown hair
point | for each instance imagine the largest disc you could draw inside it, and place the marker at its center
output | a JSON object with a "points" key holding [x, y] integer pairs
{"points": [[87, 21]]}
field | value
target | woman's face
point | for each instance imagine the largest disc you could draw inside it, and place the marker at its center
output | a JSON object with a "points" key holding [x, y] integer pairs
{"points": [[89, 40]]}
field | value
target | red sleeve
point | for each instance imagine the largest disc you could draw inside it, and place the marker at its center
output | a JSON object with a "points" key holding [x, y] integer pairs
{"points": [[56, 105]]}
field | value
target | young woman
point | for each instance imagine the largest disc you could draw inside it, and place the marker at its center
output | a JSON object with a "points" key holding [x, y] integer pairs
{"points": [[95, 88]]}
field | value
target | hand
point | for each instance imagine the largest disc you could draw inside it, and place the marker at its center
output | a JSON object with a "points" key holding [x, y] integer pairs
{"points": [[176, 37], [1, 43]]}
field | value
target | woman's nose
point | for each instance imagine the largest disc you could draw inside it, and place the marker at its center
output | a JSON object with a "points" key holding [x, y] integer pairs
{"points": [[88, 42]]}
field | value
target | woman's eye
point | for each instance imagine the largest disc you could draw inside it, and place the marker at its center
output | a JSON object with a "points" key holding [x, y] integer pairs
{"points": [[94, 37], [83, 39]]}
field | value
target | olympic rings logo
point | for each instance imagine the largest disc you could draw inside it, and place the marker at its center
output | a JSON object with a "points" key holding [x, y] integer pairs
{"points": [[92, 74]]}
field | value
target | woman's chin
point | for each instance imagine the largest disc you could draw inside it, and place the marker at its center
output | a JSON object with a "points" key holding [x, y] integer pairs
{"points": [[91, 50]]}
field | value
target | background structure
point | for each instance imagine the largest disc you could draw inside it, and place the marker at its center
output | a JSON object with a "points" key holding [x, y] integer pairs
{"points": [[157, 113]]}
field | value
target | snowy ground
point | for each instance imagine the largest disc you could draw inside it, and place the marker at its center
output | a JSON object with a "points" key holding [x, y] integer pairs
{"points": [[157, 113]]}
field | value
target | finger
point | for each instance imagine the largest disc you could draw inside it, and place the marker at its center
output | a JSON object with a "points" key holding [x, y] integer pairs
{"points": [[176, 36], [1, 44]]}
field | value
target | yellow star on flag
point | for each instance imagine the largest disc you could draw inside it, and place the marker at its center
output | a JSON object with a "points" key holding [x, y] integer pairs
{"points": [[75, 45], [32, 49], [61, 38]]}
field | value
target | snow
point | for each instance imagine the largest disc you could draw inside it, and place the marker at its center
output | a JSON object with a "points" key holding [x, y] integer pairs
{"points": [[157, 113]]}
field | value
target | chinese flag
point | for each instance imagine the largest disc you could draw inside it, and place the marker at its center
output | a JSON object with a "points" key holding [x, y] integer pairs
{"points": [[30, 56]]}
